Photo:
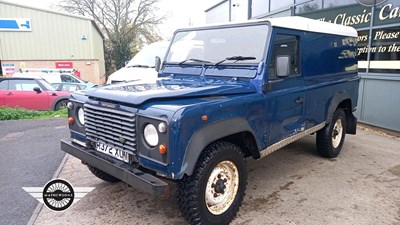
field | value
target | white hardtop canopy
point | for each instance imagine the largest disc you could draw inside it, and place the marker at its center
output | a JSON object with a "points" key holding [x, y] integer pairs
{"points": [[311, 25], [293, 22]]}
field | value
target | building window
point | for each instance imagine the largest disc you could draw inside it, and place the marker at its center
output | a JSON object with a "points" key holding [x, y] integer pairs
{"points": [[387, 13], [362, 50], [285, 45], [385, 50], [276, 5], [259, 7], [308, 6], [335, 3]]}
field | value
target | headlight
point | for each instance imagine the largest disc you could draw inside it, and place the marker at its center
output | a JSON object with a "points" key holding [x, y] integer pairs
{"points": [[151, 135], [81, 116]]}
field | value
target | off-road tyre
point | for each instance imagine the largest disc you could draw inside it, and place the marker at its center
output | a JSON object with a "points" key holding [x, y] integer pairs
{"points": [[330, 139], [102, 175], [191, 191]]}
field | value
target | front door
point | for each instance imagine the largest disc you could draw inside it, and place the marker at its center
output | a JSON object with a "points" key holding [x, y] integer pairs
{"points": [[284, 93], [21, 94]]}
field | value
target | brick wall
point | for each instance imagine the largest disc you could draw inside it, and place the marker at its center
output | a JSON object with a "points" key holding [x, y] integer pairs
{"points": [[89, 69]]}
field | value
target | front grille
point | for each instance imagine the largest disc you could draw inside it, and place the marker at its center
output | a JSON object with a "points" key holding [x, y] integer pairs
{"points": [[112, 127]]}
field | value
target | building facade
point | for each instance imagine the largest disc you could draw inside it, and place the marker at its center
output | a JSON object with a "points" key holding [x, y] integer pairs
{"points": [[378, 26], [33, 38]]}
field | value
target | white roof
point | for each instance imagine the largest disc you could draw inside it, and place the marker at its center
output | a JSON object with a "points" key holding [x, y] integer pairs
{"points": [[306, 24], [296, 23]]}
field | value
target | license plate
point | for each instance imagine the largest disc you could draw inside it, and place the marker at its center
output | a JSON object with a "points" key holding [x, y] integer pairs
{"points": [[116, 153]]}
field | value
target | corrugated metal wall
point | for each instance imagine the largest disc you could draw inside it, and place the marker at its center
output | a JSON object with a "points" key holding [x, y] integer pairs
{"points": [[53, 37], [378, 102], [98, 48]]}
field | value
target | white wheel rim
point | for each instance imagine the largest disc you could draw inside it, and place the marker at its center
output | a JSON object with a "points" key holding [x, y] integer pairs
{"points": [[337, 133], [222, 186]]}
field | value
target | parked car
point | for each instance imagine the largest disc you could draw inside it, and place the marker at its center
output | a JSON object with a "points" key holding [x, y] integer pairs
{"points": [[142, 65], [30, 93], [71, 87], [52, 76]]}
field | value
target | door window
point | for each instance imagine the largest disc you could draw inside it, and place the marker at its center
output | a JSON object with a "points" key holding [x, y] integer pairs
{"points": [[22, 85], [285, 45]]}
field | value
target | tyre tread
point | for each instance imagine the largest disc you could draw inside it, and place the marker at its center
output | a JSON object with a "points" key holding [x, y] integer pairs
{"points": [[187, 192]]}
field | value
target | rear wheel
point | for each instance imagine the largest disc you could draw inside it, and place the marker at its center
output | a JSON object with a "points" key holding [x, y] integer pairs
{"points": [[215, 190], [102, 175], [330, 139]]}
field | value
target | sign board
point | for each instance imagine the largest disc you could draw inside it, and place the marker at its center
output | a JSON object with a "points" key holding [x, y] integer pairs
{"points": [[356, 15], [15, 24], [64, 65], [8, 69]]}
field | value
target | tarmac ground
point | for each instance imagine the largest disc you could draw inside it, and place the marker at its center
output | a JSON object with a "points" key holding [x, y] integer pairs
{"points": [[291, 186]]}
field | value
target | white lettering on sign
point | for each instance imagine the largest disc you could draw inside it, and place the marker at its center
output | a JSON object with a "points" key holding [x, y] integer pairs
{"points": [[386, 12], [394, 12], [382, 35], [344, 19]]}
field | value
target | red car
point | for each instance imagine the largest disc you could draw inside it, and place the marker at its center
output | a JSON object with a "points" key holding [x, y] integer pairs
{"points": [[30, 93]]}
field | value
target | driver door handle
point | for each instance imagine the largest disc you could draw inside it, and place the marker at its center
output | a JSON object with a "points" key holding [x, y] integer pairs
{"points": [[300, 100], [9, 93]]}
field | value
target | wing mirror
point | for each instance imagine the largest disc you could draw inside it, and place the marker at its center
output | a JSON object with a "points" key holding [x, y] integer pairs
{"points": [[282, 65], [157, 65], [37, 89]]}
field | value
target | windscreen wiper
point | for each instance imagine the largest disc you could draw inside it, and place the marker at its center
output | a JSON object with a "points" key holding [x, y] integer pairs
{"points": [[235, 58], [140, 66], [194, 60]]}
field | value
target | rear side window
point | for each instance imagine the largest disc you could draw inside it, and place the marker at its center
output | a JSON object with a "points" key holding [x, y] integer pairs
{"points": [[4, 85], [285, 45]]}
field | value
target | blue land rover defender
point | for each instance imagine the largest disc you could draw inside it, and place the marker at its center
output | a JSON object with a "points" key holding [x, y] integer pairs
{"points": [[224, 93]]}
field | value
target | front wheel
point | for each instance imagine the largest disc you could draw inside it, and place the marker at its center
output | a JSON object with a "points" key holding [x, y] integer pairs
{"points": [[330, 139], [102, 175], [215, 190], [61, 104]]}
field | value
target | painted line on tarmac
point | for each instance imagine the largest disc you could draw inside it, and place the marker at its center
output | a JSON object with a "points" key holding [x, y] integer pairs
{"points": [[39, 206]]}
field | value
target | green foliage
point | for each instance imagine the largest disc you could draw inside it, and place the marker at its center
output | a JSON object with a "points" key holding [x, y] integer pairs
{"points": [[19, 114]]}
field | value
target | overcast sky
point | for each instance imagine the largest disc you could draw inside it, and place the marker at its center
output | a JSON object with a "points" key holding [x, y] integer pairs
{"points": [[181, 12]]}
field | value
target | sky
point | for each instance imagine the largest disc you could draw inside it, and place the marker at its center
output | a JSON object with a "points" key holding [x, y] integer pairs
{"points": [[181, 13]]}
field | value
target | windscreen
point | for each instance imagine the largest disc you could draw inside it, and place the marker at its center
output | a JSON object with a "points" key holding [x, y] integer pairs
{"points": [[243, 45]]}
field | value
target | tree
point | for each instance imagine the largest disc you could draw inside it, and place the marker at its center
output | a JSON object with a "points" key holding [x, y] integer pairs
{"points": [[308, 7], [125, 24]]}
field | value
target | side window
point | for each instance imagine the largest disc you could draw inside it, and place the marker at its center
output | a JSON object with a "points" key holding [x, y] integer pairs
{"points": [[22, 85], [287, 46], [68, 78], [4, 85], [70, 87]]}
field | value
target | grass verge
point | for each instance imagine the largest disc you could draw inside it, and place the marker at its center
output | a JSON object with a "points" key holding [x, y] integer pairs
{"points": [[20, 114]]}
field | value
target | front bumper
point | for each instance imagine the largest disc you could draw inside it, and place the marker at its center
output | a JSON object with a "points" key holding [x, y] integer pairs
{"points": [[132, 176]]}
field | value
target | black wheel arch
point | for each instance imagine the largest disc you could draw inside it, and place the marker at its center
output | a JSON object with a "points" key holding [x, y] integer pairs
{"points": [[343, 100], [234, 130], [57, 100]]}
